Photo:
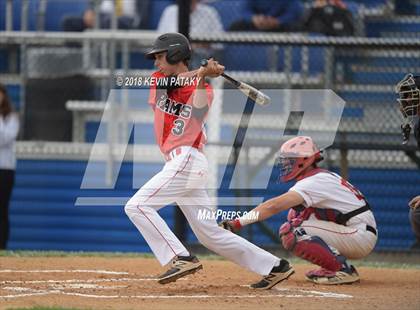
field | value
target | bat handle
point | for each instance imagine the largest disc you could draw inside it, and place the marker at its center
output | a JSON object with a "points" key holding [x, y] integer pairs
{"points": [[231, 79], [204, 63]]}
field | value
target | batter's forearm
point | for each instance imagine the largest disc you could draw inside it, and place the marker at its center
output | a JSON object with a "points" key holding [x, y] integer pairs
{"points": [[188, 74], [200, 98]]}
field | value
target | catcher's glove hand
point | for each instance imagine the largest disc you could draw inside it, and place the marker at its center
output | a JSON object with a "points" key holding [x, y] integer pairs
{"points": [[233, 226]]}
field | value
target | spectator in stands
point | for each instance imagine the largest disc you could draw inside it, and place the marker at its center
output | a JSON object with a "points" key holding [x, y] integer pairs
{"points": [[329, 17], [131, 14], [204, 19], [415, 220], [269, 15], [9, 126]]}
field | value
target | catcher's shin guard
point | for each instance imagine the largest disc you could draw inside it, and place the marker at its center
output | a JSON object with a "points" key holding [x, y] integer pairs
{"points": [[315, 250], [310, 248]]}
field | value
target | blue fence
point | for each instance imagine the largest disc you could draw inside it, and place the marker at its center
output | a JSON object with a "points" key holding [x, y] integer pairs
{"points": [[44, 217]]}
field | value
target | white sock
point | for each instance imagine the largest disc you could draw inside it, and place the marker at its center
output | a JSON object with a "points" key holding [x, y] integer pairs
{"points": [[184, 253]]}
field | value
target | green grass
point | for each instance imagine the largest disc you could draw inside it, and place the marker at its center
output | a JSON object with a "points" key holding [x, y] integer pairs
{"points": [[293, 260]]}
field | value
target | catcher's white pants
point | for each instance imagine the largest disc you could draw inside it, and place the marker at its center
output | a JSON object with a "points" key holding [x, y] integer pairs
{"points": [[183, 181], [353, 242]]}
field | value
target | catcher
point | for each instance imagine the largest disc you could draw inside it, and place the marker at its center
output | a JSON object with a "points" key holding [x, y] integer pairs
{"points": [[329, 220]]}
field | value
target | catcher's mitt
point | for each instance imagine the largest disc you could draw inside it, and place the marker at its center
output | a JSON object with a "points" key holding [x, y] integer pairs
{"points": [[229, 225]]}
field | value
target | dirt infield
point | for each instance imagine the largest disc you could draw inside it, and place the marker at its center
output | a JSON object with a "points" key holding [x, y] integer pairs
{"points": [[127, 283]]}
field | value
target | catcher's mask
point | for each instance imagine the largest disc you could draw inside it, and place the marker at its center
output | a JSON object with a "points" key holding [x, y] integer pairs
{"points": [[409, 101], [295, 156]]}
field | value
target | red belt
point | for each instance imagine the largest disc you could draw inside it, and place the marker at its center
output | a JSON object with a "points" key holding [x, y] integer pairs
{"points": [[178, 151]]}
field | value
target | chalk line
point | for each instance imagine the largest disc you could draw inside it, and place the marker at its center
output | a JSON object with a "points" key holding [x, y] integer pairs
{"points": [[80, 280], [64, 271]]}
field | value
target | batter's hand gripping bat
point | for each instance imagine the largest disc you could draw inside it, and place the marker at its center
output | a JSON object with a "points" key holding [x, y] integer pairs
{"points": [[257, 96]]}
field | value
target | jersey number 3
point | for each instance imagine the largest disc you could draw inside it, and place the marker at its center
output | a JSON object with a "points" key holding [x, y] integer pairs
{"points": [[178, 128]]}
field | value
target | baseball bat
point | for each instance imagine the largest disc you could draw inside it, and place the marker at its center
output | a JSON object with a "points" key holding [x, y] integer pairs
{"points": [[256, 95]]}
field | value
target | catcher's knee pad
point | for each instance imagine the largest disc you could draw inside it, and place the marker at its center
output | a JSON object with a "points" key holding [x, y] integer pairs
{"points": [[315, 250]]}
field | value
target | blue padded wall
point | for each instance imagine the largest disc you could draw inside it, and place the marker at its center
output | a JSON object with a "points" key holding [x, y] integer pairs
{"points": [[43, 215]]}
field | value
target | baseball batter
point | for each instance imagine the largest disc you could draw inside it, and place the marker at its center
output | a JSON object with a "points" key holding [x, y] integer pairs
{"points": [[179, 115], [329, 219]]}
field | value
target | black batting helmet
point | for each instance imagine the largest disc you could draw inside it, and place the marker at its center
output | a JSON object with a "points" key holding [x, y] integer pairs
{"points": [[176, 46]]}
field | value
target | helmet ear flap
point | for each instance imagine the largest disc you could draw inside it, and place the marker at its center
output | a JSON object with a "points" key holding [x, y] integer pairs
{"points": [[178, 52], [172, 56]]}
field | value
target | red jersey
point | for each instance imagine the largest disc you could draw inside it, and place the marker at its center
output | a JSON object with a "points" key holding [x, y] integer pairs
{"points": [[175, 122]]}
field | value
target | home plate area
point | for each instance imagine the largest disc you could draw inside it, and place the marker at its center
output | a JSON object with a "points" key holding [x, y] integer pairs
{"points": [[120, 285], [126, 283]]}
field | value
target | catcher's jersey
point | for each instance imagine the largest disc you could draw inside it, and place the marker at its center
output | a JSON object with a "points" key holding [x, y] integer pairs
{"points": [[327, 190], [175, 121]]}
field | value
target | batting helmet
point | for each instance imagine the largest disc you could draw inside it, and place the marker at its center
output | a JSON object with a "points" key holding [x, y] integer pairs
{"points": [[176, 46], [296, 155]]}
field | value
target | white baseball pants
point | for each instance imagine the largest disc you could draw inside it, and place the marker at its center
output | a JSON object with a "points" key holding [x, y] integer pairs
{"points": [[183, 180], [353, 242]]}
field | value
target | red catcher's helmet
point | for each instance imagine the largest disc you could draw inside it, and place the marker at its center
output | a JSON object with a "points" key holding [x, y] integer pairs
{"points": [[296, 155]]}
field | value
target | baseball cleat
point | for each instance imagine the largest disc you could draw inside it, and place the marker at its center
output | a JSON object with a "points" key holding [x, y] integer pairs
{"points": [[277, 275], [323, 276], [181, 266]]}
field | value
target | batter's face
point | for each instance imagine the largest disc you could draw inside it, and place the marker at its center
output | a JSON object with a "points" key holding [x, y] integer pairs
{"points": [[163, 66]]}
